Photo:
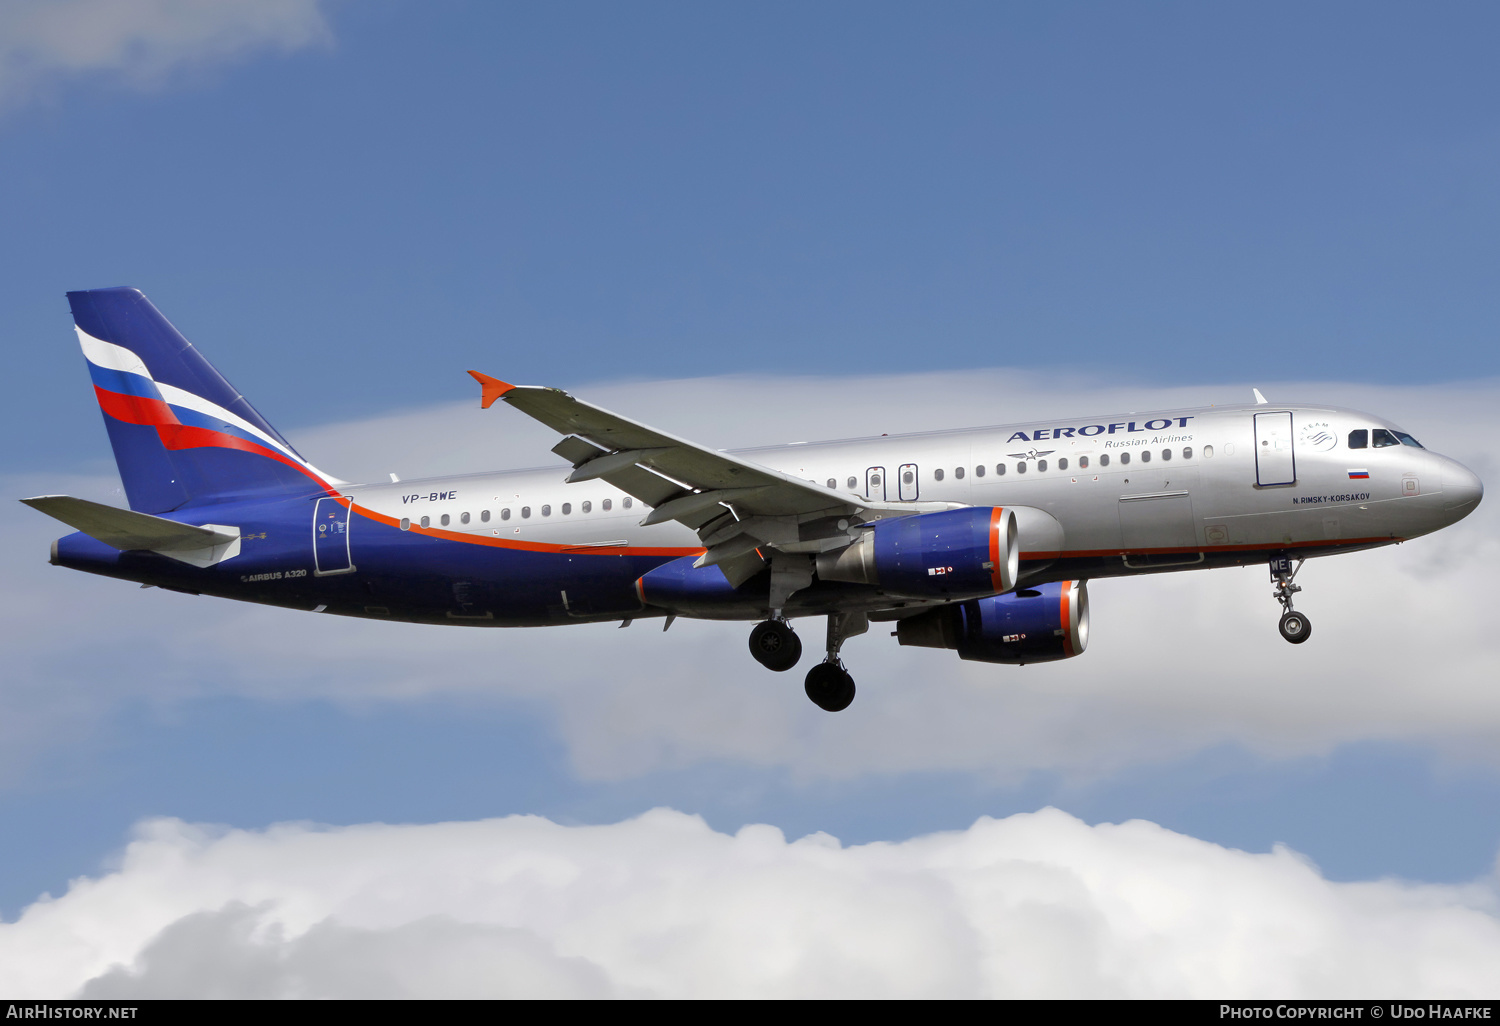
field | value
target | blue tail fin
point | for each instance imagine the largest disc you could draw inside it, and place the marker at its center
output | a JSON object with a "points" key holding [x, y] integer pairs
{"points": [[182, 435]]}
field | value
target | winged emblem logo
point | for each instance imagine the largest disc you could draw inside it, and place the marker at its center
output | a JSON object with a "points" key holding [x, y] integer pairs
{"points": [[1031, 454]]}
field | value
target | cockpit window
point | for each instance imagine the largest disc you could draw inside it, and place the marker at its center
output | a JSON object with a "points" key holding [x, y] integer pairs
{"points": [[1382, 438], [1407, 439], [1359, 439]]}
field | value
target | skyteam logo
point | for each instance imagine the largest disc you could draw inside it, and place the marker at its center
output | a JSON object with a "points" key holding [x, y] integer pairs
{"points": [[1317, 436]]}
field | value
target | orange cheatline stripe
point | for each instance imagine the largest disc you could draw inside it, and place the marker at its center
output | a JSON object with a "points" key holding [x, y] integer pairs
{"points": [[525, 546], [1206, 549]]}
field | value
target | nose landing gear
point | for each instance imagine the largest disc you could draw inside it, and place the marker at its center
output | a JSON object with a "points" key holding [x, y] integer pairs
{"points": [[1294, 626]]}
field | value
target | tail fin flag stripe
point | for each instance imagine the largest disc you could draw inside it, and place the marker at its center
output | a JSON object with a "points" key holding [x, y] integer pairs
{"points": [[126, 395], [181, 433], [125, 318], [111, 370]]}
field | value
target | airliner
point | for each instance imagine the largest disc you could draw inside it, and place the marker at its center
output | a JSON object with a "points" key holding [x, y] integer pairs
{"points": [[978, 540]]}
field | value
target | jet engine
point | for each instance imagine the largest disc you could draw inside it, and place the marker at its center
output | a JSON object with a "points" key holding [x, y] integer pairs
{"points": [[952, 553], [1033, 625]]}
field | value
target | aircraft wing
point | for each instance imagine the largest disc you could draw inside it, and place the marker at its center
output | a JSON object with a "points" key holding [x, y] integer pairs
{"points": [[737, 507]]}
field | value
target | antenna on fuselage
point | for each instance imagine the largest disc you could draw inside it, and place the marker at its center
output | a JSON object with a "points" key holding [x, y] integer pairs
{"points": [[1260, 400]]}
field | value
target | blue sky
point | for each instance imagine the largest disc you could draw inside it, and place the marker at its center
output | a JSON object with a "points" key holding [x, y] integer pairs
{"points": [[346, 205]]}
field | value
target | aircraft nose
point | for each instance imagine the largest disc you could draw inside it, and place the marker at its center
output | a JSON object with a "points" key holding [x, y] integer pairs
{"points": [[1462, 490]]}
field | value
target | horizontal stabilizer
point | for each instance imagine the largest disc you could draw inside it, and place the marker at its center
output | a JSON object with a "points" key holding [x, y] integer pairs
{"points": [[126, 529]]}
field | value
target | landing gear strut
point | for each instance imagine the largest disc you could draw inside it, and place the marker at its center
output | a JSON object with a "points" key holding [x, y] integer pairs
{"points": [[1294, 626], [829, 685], [775, 645]]}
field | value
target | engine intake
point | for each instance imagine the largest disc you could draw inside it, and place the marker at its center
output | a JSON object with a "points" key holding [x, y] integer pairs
{"points": [[952, 553], [1033, 625]]}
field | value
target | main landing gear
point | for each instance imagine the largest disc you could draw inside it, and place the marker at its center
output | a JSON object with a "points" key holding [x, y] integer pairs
{"points": [[1294, 626], [776, 646], [830, 686]]}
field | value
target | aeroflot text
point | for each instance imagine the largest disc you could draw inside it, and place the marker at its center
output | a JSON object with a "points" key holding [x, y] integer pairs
{"points": [[1090, 430]]}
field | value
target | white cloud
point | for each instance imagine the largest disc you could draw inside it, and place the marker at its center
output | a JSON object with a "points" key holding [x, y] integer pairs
{"points": [[141, 41], [1033, 905], [1402, 649]]}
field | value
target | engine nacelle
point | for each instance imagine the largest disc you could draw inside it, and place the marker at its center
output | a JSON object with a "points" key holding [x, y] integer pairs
{"points": [[1034, 625], [952, 553]]}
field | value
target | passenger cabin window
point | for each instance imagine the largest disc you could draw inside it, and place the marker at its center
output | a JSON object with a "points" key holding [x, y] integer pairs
{"points": [[587, 507], [426, 521], [627, 503], [1021, 468], [406, 523], [1166, 454], [958, 473], [1062, 464], [1381, 438], [546, 511], [505, 513], [525, 512], [607, 503], [444, 521], [1104, 460], [937, 475], [907, 477], [1124, 458], [999, 469], [979, 471], [1208, 452], [567, 508], [1359, 439], [1187, 452], [1083, 463], [853, 482], [463, 518], [1041, 465], [1145, 455], [484, 516]]}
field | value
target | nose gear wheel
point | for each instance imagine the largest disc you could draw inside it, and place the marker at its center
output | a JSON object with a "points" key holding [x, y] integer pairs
{"points": [[1294, 626]]}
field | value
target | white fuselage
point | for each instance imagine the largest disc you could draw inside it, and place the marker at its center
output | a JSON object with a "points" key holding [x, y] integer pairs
{"points": [[1190, 483]]}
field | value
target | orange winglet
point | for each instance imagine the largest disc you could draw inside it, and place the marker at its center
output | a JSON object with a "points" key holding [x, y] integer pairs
{"points": [[494, 388]]}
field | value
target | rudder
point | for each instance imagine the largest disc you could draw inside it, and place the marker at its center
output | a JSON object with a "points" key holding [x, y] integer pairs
{"points": [[181, 434]]}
